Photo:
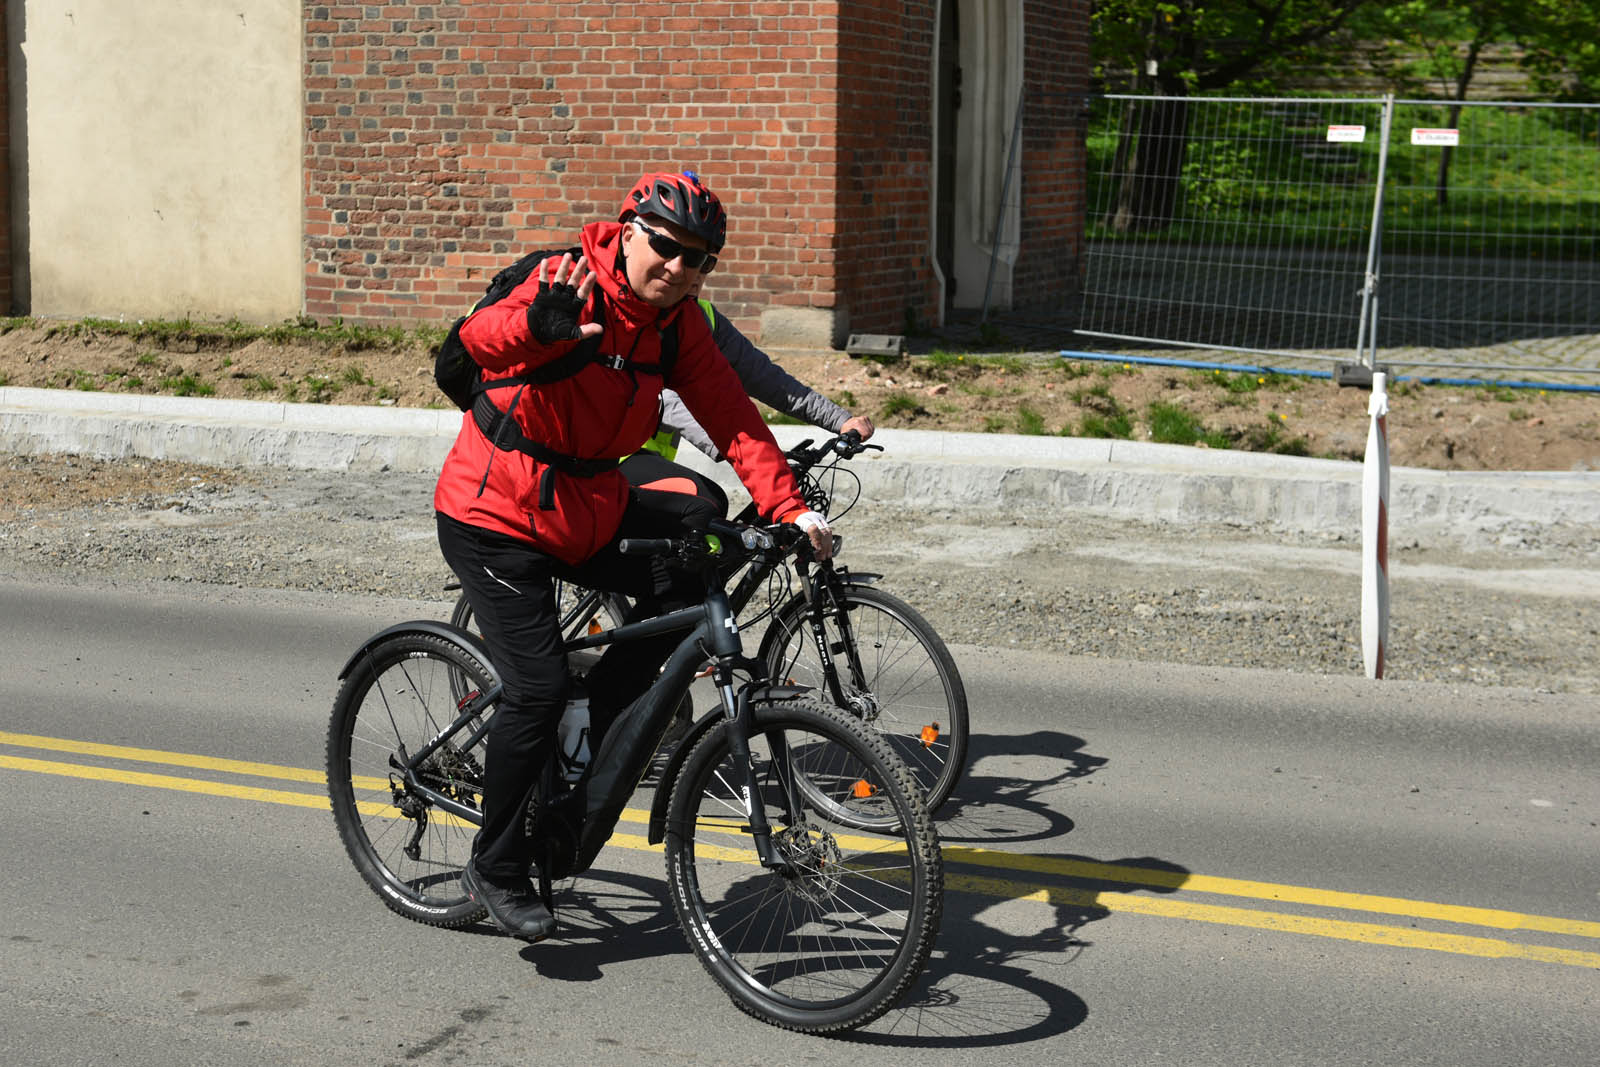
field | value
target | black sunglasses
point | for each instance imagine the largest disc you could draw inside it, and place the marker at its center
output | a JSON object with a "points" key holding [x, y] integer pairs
{"points": [[668, 249]]}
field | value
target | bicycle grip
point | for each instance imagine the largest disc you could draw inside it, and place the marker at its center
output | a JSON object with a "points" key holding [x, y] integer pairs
{"points": [[645, 546]]}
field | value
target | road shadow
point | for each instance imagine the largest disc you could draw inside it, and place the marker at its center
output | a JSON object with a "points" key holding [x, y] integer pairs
{"points": [[1015, 807], [988, 988], [604, 918]]}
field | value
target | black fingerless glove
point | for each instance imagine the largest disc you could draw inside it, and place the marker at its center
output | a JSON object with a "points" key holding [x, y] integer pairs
{"points": [[553, 315]]}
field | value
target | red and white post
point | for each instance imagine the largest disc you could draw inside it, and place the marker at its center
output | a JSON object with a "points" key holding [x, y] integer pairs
{"points": [[1375, 531]]}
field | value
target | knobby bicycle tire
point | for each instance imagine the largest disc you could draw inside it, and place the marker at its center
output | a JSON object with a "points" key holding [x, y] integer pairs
{"points": [[398, 696], [896, 674], [834, 941]]}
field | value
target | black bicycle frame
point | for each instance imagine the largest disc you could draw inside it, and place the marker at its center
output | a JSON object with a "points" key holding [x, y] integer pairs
{"points": [[629, 744]]}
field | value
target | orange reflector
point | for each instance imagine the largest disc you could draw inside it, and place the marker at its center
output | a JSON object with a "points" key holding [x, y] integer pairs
{"points": [[863, 789], [930, 734], [594, 627]]}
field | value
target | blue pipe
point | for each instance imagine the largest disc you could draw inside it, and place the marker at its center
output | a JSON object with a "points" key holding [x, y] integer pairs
{"points": [[1244, 368]]}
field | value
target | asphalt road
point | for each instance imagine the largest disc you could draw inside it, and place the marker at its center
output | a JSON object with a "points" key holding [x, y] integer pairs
{"points": [[1146, 862]]}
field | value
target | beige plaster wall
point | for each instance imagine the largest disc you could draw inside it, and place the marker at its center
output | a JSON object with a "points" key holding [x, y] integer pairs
{"points": [[159, 142]]}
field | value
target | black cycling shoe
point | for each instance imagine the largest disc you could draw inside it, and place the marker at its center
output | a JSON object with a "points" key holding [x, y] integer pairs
{"points": [[516, 910]]}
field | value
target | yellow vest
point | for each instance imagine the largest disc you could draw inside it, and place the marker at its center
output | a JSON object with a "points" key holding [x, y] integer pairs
{"points": [[665, 442]]}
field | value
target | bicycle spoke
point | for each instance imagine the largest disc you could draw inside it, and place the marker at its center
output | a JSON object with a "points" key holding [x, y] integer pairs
{"points": [[820, 936]]}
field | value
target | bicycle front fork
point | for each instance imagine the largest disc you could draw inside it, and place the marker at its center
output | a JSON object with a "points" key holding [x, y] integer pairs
{"points": [[739, 726]]}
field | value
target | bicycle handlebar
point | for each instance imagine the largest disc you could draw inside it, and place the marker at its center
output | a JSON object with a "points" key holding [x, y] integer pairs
{"points": [[844, 446], [753, 539], [646, 546]]}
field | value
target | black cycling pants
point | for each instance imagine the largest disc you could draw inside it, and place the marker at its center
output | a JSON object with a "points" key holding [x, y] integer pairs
{"points": [[510, 585], [649, 470]]}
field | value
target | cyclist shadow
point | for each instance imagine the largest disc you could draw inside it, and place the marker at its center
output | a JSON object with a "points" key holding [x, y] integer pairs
{"points": [[1017, 806], [604, 918], [986, 987]]}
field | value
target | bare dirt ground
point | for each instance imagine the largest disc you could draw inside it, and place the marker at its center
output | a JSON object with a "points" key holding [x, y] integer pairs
{"points": [[1029, 392]]}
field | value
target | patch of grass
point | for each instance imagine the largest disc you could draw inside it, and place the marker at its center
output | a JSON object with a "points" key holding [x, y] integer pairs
{"points": [[260, 383], [233, 334], [1096, 398], [320, 389], [994, 424], [85, 382], [847, 399], [1074, 368], [1518, 414], [354, 375], [1503, 393], [901, 404], [778, 418], [1244, 382], [1273, 437], [148, 359], [939, 359], [187, 385], [1174, 425], [1119, 425], [5, 380], [1029, 421]]}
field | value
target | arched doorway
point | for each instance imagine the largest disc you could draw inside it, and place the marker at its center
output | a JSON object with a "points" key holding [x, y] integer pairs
{"points": [[977, 85]]}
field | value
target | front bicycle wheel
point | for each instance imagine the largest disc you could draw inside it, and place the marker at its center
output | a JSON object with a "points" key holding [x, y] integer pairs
{"points": [[886, 666], [397, 698], [835, 936]]}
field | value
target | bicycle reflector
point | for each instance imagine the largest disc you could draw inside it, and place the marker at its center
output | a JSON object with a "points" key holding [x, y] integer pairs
{"points": [[863, 789], [930, 734]]}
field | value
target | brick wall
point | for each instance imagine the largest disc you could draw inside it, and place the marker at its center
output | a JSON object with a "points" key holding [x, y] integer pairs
{"points": [[6, 296], [885, 164], [442, 138], [1054, 162]]}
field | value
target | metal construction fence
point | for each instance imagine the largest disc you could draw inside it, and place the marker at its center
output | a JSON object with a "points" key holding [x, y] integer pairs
{"points": [[1423, 235]]}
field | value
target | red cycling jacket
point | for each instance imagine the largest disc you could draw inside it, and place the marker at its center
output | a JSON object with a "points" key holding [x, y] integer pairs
{"points": [[597, 413]]}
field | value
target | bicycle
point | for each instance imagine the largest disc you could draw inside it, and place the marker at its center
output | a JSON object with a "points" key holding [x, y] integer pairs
{"points": [[804, 925], [897, 674]]}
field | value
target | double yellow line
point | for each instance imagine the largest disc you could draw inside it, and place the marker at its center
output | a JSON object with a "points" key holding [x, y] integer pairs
{"points": [[1059, 882]]}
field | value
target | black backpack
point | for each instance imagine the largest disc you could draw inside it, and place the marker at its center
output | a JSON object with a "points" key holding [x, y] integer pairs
{"points": [[455, 371], [460, 377]]}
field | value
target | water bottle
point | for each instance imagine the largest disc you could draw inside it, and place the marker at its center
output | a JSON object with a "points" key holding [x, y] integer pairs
{"points": [[572, 735]]}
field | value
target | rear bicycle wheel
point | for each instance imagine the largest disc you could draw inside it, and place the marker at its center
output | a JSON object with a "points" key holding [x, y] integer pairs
{"points": [[891, 669], [834, 939], [398, 697]]}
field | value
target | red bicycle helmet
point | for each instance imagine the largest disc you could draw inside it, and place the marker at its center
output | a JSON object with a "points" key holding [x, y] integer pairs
{"points": [[679, 198]]}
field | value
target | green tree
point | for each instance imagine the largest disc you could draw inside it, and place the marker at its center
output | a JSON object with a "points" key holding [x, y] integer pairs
{"points": [[1423, 45], [1176, 48]]}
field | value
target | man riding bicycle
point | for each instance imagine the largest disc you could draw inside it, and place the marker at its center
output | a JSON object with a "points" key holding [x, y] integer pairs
{"points": [[531, 491]]}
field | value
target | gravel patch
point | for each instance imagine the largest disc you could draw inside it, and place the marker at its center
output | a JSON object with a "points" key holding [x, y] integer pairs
{"points": [[1519, 614]]}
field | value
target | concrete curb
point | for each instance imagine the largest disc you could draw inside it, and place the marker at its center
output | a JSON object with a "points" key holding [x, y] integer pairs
{"points": [[934, 470]]}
